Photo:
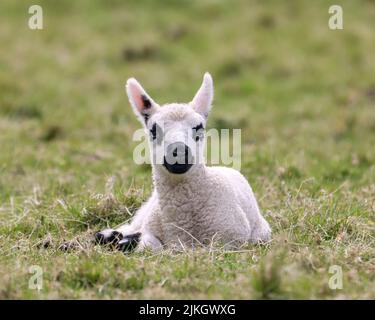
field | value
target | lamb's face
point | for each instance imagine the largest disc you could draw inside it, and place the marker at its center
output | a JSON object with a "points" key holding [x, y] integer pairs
{"points": [[176, 130], [176, 134]]}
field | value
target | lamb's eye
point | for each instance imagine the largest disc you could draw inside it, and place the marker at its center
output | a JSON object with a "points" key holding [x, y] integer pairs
{"points": [[198, 132], [153, 131], [156, 132]]}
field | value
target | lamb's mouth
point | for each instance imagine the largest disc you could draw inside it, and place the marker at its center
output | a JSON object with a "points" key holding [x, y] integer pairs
{"points": [[177, 168], [178, 158]]}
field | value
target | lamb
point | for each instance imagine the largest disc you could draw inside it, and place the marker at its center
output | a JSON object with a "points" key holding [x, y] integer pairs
{"points": [[191, 203]]}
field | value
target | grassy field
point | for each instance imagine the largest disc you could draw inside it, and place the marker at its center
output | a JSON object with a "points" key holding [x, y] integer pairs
{"points": [[303, 95]]}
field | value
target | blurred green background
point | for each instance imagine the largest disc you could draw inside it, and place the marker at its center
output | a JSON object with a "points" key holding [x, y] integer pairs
{"points": [[303, 95]]}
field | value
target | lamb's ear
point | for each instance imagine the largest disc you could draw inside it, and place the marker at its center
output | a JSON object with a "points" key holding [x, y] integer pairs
{"points": [[203, 98], [141, 102]]}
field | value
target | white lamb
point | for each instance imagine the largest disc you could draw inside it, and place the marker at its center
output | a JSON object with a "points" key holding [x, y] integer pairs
{"points": [[191, 203]]}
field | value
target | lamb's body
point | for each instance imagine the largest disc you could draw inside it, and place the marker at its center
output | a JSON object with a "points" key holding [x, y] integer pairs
{"points": [[191, 203], [222, 209]]}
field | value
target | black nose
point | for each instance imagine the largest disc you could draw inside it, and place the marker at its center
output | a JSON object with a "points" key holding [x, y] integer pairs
{"points": [[178, 158]]}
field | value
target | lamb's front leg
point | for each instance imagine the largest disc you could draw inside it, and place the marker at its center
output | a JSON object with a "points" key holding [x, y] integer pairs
{"points": [[127, 236], [148, 241], [113, 236], [129, 241]]}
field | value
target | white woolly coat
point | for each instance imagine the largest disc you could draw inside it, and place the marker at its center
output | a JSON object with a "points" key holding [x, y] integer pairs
{"points": [[213, 204]]}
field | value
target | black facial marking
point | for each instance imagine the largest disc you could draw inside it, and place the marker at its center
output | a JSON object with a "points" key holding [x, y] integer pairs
{"points": [[153, 131], [146, 116], [198, 132], [156, 133], [198, 127], [146, 101]]}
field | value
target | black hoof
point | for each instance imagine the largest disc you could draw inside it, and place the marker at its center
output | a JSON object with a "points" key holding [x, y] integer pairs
{"points": [[129, 242], [108, 236]]}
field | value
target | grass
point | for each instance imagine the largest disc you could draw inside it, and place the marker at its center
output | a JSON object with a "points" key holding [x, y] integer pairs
{"points": [[302, 94]]}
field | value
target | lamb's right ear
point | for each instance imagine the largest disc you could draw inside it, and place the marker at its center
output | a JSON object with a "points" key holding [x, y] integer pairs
{"points": [[141, 102], [202, 101]]}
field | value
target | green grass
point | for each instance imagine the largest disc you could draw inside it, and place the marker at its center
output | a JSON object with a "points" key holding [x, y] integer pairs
{"points": [[302, 94]]}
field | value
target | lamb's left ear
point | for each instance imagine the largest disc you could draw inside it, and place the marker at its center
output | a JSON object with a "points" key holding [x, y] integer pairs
{"points": [[141, 102], [203, 98]]}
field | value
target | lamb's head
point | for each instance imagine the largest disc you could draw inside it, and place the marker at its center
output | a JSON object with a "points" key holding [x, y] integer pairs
{"points": [[176, 130]]}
